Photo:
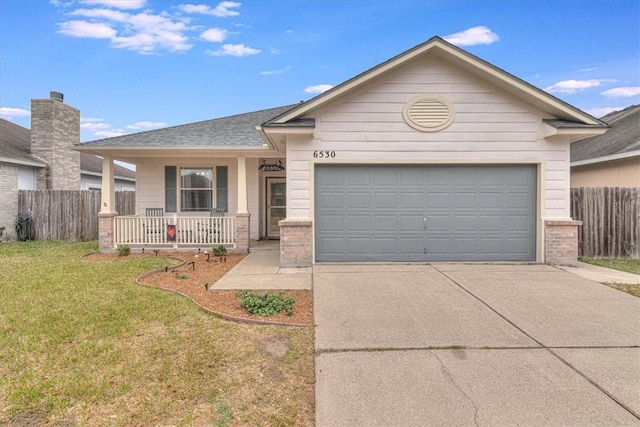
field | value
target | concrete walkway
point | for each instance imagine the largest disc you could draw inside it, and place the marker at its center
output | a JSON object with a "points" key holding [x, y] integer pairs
{"points": [[603, 275], [465, 344], [261, 270]]}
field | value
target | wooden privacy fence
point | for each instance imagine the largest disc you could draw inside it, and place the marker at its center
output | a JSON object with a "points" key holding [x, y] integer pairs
{"points": [[69, 214], [611, 221]]}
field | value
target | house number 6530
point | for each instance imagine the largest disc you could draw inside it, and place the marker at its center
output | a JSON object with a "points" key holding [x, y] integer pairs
{"points": [[324, 154]]}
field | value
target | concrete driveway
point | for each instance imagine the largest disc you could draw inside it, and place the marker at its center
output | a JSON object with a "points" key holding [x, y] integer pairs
{"points": [[461, 344]]}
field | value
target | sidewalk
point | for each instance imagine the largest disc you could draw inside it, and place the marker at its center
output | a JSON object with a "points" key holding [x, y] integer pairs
{"points": [[261, 270], [602, 274]]}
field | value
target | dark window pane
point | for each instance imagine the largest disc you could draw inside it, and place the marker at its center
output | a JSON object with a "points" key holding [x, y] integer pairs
{"points": [[222, 189], [196, 200], [170, 189]]}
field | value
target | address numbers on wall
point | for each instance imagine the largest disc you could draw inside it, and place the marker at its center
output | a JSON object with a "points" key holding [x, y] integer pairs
{"points": [[323, 154]]}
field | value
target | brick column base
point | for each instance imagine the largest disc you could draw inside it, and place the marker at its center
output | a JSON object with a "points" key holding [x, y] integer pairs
{"points": [[106, 236], [296, 240], [561, 242], [242, 231]]}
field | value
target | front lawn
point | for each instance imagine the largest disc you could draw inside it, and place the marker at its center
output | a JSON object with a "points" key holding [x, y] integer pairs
{"points": [[624, 264], [82, 344]]}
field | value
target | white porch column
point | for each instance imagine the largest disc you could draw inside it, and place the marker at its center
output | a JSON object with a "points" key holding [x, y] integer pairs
{"points": [[242, 186], [107, 214], [108, 191], [242, 216]]}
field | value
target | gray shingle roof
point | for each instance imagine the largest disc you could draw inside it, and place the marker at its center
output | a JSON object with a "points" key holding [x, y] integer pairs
{"points": [[623, 137], [93, 164], [15, 142], [232, 132]]}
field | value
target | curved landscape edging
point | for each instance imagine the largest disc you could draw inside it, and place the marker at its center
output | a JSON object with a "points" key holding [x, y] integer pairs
{"points": [[208, 310]]}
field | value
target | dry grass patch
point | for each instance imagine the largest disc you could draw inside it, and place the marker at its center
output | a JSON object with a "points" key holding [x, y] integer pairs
{"points": [[82, 344]]}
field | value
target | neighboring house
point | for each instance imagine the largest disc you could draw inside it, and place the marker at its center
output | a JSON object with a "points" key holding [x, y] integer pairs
{"points": [[612, 159], [433, 155], [91, 174], [42, 158]]}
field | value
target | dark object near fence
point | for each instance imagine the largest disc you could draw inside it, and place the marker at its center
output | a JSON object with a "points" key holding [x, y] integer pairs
{"points": [[25, 230], [1, 233]]}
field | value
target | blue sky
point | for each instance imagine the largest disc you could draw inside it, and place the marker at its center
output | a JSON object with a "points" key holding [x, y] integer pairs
{"points": [[134, 65]]}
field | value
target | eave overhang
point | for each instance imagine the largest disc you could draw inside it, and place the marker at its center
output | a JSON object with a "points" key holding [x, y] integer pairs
{"points": [[22, 162], [458, 57], [610, 158]]}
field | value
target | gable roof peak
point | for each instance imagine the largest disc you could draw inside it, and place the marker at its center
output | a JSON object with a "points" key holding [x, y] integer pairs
{"points": [[460, 58]]}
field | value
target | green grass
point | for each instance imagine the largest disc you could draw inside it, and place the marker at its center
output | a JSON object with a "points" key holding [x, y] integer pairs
{"points": [[81, 343], [622, 264]]}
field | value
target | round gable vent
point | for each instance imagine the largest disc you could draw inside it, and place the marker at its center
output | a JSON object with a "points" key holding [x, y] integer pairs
{"points": [[428, 113]]}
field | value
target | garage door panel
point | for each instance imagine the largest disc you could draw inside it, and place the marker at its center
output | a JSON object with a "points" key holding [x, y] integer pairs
{"points": [[411, 200], [493, 200], [355, 223], [408, 222], [490, 223], [439, 223], [473, 212], [465, 222], [465, 199], [385, 200], [439, 200], [358, 199], [385, 223]]}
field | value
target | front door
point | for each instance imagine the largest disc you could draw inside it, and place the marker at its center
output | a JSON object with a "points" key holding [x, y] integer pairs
{"points": [[276, 205]]}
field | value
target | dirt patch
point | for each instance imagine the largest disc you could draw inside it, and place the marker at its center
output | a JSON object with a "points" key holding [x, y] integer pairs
{"points": [[197, 274]]}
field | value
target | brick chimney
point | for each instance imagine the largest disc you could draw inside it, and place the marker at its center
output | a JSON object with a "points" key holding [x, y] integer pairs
{"points": [[55, 128]]}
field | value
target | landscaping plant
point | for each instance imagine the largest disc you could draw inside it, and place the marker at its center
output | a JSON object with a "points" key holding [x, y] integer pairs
{"points": [[267, 304]]}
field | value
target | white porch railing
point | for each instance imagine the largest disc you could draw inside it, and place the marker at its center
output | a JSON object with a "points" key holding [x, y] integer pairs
{"points": [[140, 230]]}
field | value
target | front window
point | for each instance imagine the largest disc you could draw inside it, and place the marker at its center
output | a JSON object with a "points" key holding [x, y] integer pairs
{"points": [[196, 189]]}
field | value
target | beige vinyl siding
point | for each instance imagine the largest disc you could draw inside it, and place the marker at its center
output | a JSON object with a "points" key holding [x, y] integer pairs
{"points": [[489, 126], [150, 184], [616, 173]]}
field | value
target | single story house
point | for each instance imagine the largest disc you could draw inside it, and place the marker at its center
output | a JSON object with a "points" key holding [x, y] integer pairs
{"points": [[433, 155], [612, 159], [42, 158]]}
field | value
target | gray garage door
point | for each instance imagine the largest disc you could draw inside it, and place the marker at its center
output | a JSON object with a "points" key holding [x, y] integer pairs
{"points": [[425, 213]]}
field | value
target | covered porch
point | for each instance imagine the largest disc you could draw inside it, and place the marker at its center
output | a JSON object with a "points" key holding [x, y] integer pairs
{"points": [[205, 225]]}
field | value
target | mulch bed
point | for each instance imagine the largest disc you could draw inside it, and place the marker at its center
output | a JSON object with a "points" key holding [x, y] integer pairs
{"points": [[222, 302]]}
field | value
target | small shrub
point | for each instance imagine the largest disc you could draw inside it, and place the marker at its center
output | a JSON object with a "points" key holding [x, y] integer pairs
{"points": [[123, 250], [180, 275], [219, 251], [267, 304]]}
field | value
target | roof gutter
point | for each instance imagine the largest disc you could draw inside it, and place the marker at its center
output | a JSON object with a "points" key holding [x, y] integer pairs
{"points": [[22, 162], [619, 156]]}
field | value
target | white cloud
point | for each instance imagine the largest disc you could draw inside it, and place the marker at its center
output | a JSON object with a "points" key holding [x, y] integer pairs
{"points": [[622, 92], [586, 70], [473, 36], [233, 50], [147, 31], [602, 111], [117, 4], [318, 88], [8, 112], [109, 133], [111, 15], [94, 126], [214, 35], [195, 8], [275, 72], [94, 30], [222, 10], [572, 86], [146, 125]]}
